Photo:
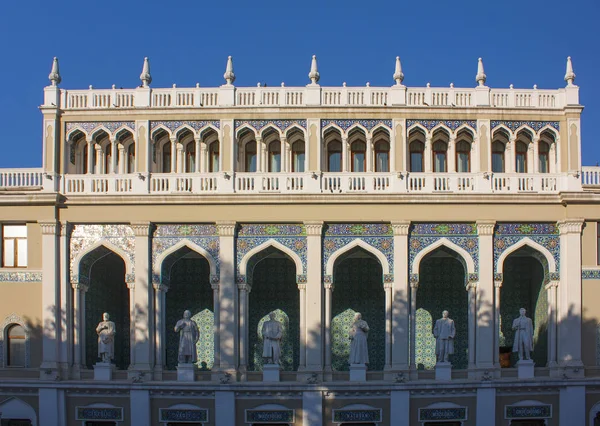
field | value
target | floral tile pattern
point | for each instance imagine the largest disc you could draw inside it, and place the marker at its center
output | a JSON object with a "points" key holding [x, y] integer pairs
{"points": [[535, 125], [282, 125], [367, 124], [452, 124]]}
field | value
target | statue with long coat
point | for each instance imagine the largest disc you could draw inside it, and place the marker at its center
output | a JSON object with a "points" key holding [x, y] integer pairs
{"points": [[444, 333], [359, 352], [188, 337], [272, 332], [523, 343]]}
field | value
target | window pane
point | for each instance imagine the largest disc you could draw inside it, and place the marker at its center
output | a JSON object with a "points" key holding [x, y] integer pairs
{"points": [[382, 162], [335, 162], [15, 231], [275, 162], [440, 162], [298, 162], [416, 162], [16, 346], [462, 165], [358, 162], [497, 163], [543, 163], [9, 252], [250, 162], [21, 252], [520, 163], [214, 162]]}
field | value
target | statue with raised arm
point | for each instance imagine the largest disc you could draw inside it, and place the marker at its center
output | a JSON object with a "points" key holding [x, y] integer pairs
{"points": [[188, 337], [359, 352], [444, 333], [106, 338], [523, 343], [272, 332]]}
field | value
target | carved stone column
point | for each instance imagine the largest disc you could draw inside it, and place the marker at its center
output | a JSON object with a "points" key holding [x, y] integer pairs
{"points": [[451, 154], [260, 166], [551, 289], [345, 154], [414, 285], [114, 154], [79, 291], [216, 315], [369, 154], [51, 309], [160, 291], [472, 318], [173, 155], [328, 292], [485, 357], [142, 298], [65, 354], [228, 300], [314, 297], [198, 155], [497, 287], [302, 290], [99, 168], [90, 156], [284, 155], [244, 290], [427, 157], [400, 298], [388, 325]]}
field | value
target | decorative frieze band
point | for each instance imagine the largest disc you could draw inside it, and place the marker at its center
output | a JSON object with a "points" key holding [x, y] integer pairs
{"points": [[90, 127], [174, 126], [367, 124], [451, 124], [258, 125], [20, 276], [535, 125]]}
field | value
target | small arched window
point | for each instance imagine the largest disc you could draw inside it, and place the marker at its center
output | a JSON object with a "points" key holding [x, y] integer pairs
{"points": [[334, 156], [382, 157], [250, 163], [463, 157], [131, 158], [213, 160], [521, 158], [416, 156], [166, 157], [298, 156], [498, 157], [275, 156], [16, 346], [190, 157], [440, 163], [358, 150], [544, 157]]}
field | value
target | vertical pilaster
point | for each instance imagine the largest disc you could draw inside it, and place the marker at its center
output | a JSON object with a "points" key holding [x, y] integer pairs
{"points": [[388, 325], [217, 319], [66, 329], [486, 406], [400, 407], [228, 331], [160, 291], [369, 154], [497, 287], [143, 300], [244, 290], [113, 155], [302, 290], [225, 408], [173, 154], [569, 294], [98, 159], [452, 154], [414, 285], [345, 152], [312, 409], [400, 298], [79, 291], [327, 331], [284, 155], [472, 291], [90, 157], [485, 318], [198, 151], [551, 289], [314, 297], [427, 155], [510, 152], [139, 400], [51, 308], [260, 167]]}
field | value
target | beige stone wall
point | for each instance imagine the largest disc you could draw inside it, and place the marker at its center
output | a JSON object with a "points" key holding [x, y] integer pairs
{"points": [[590, 320], [589, 243], [34, 246], [504, 400]]}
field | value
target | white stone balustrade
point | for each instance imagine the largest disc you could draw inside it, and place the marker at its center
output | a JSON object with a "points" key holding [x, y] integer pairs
{"points": [[300, 183], [299, 96]]}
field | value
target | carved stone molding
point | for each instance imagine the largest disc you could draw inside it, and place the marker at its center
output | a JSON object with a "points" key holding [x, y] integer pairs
{"points": [[80, 287], [227, 228], [48, 227], [141, 229], [485, 227], [302, 287], [401, 227], [65, 229], [313, 228], [571, 226], [244, 287], [160, 287]]}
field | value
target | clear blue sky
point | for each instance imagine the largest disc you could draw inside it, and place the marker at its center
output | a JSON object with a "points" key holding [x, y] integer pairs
{"points": [[523, 42]]}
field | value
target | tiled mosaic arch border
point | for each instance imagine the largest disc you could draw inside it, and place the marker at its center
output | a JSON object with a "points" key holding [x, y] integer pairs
{"points": [[90, 127], [251, 236], [378, 236], [166, 237], [14, 319], [463, 235], [259, 125], [546, 235], [86, 238], [368, 124]]}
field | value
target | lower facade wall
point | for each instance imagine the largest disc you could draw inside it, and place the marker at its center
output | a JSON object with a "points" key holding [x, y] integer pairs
{"points": [[471, 404]]}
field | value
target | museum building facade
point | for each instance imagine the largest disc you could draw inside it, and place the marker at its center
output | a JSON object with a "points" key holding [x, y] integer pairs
{"points": [[311, 204]]}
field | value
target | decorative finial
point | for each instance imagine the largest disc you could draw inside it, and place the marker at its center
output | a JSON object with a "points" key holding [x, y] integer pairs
{"points": [[229, 75], [54, 75], [398, 74], [569, 75], [314, 71], [145, 75], [480, 77]]}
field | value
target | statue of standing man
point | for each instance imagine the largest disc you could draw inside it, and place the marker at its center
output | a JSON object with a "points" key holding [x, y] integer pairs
{"points": [[444, 333], [106, 338], [523, 343], [359, 352], [188, 337], [272, 332]]}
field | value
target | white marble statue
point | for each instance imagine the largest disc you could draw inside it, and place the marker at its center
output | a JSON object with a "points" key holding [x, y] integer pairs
{"points": [[188, 337], [444, 333], [272, 331], [359, 353], [106, 338], [523, 343]]}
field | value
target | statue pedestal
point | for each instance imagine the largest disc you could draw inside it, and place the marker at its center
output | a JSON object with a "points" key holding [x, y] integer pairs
{"points": [[443, 371], [358, 373], [103, 371], [525, 369], [271, 372], [185, 372]]}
